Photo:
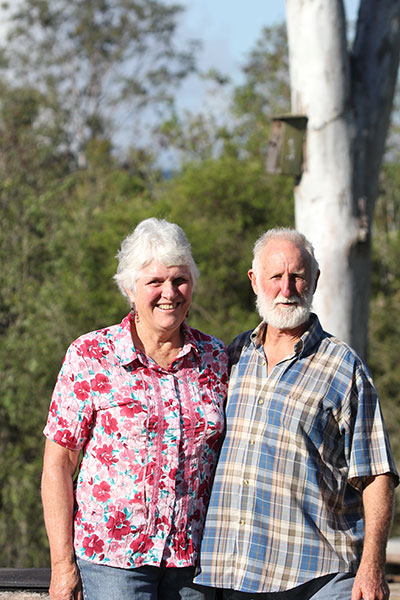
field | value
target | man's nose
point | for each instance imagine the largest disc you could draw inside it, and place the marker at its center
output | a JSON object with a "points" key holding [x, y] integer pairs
{"points": [[286, 286]]}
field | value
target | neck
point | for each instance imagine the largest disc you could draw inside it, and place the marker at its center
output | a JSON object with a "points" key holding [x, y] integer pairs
{"points": [[276, 336], [279, 343], [162, 347]]}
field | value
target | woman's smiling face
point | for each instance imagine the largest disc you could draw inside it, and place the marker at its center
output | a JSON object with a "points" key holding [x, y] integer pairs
{"points": [[162, 297]]}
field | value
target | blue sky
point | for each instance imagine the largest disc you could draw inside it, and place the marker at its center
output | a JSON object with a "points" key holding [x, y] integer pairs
{"points": [[229, 30]]}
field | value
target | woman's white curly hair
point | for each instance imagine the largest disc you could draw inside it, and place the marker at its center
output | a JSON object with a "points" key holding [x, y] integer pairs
{"points": [[152, 239]]}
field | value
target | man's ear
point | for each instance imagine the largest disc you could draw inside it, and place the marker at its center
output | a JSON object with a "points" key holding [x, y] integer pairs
{"points": [[316, 280], [253, 279]]}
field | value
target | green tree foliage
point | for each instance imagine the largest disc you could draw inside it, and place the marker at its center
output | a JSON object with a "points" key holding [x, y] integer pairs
{"points": [[103, 61], [384, 331], [30, 172], [265, 92]]}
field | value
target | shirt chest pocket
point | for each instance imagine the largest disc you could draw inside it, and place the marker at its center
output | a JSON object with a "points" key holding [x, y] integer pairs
{"points": [[121, 411], [312, 415]]}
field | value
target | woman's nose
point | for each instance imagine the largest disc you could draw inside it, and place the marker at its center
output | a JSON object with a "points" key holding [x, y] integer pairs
{"points": [[168, 290]]}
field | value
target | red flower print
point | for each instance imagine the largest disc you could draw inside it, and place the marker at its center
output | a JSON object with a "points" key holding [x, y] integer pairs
{"points": [[102, 491], [109, 423], [65, 438], [85, 427], [118, 526], [91, 349], [105, 456], [180, 545], [130, 410], [172, 473], [214, 441], [110, 411], [141, 544], [81, 389], [200, 425], [207, 399], [137, 385], [152, 423], [204, 378], [101, 384], [162, 522], [93, 545]]}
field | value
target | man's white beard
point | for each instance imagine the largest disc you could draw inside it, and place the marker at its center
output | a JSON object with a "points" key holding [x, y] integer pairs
{"points": [[284, 318]]}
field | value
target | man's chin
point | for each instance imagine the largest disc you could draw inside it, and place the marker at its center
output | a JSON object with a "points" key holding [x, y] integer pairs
{"points": [[292, 321]]}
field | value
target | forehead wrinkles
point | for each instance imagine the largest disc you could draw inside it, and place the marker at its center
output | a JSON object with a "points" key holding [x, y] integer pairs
{"points": [[284, 255]]}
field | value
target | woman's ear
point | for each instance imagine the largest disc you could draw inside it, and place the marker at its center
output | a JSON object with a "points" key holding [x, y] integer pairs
{"points": [[130, 295]]}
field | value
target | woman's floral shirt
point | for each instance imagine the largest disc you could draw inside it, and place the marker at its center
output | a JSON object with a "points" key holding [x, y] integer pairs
{"points": [[150, 439]]}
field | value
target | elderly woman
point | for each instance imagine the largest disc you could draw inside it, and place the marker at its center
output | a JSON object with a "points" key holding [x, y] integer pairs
{"points": [[142, 403]]}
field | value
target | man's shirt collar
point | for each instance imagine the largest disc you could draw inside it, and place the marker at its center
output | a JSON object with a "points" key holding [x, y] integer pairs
{"points": [[307, 341]]}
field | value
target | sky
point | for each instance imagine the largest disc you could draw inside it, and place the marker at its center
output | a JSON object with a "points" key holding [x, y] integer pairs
{"points": [[228, 30]]}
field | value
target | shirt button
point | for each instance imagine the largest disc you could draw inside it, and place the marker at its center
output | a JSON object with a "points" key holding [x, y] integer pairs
{"points": [[246, 482], [251, 442], [242, 522], [261, 401], [263, 363]]}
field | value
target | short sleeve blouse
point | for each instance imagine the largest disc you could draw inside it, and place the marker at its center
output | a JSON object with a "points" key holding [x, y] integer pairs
{"points": [[150, 438]]}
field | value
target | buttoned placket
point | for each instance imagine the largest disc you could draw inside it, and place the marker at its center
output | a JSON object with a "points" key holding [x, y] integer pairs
{"points": [[246, 498], [168, 375], [271, 380]]}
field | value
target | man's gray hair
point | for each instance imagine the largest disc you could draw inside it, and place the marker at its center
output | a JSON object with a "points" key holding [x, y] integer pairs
{"points": [[152, 239], [290, 235]]}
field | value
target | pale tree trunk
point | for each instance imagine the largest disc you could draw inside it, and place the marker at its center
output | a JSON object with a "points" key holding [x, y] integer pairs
{"points": [[347, 99]]}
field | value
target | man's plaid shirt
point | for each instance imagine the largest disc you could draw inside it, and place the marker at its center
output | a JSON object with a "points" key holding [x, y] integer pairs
{"points": [[286, 505]]}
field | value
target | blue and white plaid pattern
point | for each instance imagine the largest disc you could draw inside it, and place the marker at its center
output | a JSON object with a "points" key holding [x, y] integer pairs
{"points": [[286, 505]]}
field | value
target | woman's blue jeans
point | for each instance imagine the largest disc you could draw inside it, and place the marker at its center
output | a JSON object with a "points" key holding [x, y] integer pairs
{"points": [[100, 582]]}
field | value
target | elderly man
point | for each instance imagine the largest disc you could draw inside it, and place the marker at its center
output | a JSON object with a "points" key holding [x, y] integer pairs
{"points": [[302, 499]]}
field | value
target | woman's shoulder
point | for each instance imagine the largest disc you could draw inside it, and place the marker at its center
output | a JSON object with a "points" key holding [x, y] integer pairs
{"points": [[202, 338], [88, 344]]}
